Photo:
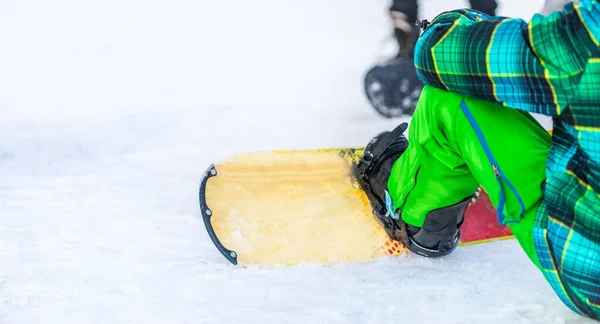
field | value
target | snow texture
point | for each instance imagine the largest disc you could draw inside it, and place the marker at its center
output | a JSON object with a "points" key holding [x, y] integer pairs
{"points": [[112, 110]]}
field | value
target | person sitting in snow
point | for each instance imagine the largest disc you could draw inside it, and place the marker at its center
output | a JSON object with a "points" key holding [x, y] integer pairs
{"points": [[472, 126]]}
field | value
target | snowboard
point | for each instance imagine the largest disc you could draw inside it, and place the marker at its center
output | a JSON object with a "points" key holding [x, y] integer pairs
{"points": [[305, 206], [393, 88]]}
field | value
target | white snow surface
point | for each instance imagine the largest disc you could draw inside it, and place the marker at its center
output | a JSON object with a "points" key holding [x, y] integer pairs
{"points": [[112, 110]]}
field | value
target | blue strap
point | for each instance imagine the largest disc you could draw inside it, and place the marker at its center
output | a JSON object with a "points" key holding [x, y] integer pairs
{"points": [[389, 203], [497, 170]]}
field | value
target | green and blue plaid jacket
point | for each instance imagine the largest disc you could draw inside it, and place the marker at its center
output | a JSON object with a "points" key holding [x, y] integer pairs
{"points": [[550, 66]]}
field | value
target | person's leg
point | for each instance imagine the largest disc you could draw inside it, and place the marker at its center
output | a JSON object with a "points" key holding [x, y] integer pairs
{"points": [[408, 10], [452, 144], [445, 161], [486, 6], [567, 229], [404, 14]]}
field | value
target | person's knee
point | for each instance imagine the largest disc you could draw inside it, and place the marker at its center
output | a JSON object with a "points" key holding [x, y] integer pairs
{"points": [[486, 6]]}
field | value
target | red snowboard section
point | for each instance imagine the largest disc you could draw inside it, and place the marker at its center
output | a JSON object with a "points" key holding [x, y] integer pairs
{"points": [[481, 222]]}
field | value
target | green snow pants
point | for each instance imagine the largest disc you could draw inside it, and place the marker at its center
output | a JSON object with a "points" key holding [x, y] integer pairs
{"points": [[445, 161]]}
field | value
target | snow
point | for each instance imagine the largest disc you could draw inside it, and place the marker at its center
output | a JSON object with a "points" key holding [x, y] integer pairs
{"points": [[111, 111]]}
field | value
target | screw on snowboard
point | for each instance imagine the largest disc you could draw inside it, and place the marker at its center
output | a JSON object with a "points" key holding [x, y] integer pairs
{"points": [[291, 207]]}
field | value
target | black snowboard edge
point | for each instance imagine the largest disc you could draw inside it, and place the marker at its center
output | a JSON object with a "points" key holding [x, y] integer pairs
{"points": [[207, 213]]}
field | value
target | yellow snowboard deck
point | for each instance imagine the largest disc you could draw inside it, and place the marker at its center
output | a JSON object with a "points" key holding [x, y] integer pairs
{"points": [[291, 207]]}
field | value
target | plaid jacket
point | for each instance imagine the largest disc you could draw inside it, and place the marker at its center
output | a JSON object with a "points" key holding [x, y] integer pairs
{"points": [[550, 66]]}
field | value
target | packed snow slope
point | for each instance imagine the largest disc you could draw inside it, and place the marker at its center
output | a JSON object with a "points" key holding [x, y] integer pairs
{"points": [[110, 112]]}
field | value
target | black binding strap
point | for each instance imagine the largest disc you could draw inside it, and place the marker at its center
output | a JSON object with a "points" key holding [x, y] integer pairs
{"points": [[388, 139]]}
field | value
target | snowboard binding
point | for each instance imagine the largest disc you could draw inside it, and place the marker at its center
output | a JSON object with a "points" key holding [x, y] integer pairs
{"points": [[373, 169], [440, 233]]}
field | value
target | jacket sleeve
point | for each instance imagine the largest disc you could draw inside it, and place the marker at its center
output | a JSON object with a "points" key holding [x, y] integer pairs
{"points": [[535, 66]]}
